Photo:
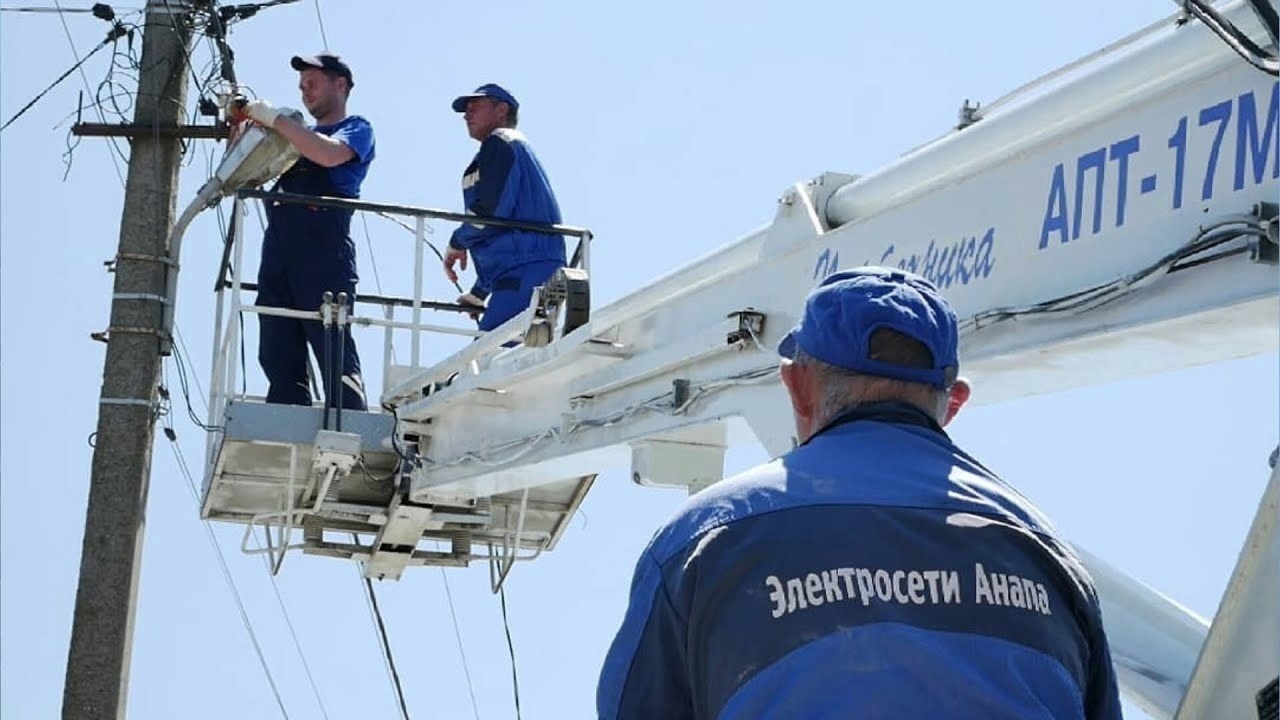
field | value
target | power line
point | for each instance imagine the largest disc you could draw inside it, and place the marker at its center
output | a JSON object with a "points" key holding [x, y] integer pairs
{"points": [[515, 681], [386, 646], [369, 244], [195, 378], [306, 667], [191, 65], [46, 9], [66, 29], [373, 618], [179, 350], [231, 583], [458, 634], [320, 19], [414, 232], [377, 280], [115, 33]]}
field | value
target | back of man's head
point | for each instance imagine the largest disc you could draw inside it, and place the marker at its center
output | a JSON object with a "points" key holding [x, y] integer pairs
{"points": [[873, 335]]}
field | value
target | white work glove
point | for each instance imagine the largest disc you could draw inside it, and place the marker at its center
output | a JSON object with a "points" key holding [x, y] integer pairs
{"points": [[261, 111]]}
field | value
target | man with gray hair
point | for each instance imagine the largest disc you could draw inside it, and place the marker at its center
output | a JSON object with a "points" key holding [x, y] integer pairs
{"points": [[876, 570]]}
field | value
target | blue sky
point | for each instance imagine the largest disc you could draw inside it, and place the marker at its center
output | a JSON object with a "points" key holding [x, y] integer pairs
{"points": [[669, 129]]}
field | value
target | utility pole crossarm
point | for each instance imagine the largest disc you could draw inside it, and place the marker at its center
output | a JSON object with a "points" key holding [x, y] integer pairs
{"points": [[136, 130]]}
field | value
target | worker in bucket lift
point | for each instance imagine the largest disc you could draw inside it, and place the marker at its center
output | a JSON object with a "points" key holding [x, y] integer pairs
{"points": [[876, 570], [307, 250], [504, 180]]}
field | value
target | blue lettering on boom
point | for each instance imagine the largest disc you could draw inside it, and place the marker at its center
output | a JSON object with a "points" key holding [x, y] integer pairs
{"points": [[959, 263], [1237, 138]]}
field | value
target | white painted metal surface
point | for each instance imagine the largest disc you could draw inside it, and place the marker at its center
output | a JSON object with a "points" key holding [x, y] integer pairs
{"points": [[1085, 185], [1241, 654], [1131, 180]]}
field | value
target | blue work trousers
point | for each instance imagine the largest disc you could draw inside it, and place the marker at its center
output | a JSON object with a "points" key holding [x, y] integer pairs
{"points": [[306, 252], [513, 291]]}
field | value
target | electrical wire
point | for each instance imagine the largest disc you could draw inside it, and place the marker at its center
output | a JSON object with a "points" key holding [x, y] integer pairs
{"points": [[85, 78], [373, 618], [457, 632], [284, 611], [430, 244], [1242, 44], [181, 362], [231, 583], [1218, 233], [46, 9], [111, 36], [506, 626], [186, 51], [659, 404], [320, 19], [414, 232], [386, 647], [293, 634], [368, 241], [1266, 12], [373, 260]]}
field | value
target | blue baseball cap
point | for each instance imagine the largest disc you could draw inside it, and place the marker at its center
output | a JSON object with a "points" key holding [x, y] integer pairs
{"points": [[841, 314], [489, 90]]}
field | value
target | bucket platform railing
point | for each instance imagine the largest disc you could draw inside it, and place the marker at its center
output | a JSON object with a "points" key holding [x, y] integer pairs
{"points": [[262, 461]]}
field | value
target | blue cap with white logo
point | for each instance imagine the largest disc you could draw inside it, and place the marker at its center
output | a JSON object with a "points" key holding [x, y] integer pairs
{"points": [[489, 90], [841, 314]]}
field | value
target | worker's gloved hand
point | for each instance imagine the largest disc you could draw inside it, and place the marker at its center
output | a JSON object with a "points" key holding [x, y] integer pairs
{"points": [[262, 112], [472, 301]]}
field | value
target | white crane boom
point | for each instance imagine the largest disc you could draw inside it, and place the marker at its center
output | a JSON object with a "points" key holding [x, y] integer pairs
{"points": [[1115, 218]]}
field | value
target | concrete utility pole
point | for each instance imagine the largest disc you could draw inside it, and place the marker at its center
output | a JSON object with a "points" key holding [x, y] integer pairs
{"points": [[97, 677]]}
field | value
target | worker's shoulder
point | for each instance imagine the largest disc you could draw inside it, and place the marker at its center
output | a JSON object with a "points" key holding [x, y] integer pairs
{"points": [[507, 136], [759, 490], [351, 127], [352, 122], [810, 475], [861, 465]]}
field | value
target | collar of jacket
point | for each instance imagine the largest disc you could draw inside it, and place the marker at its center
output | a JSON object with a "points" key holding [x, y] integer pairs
{"points": [[896, 412]]}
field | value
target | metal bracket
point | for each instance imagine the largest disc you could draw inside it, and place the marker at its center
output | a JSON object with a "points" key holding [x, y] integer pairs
{"points": [[500, 565], [335, 455], [288, 518], [750, 327], [394, 546], [968, 114]]}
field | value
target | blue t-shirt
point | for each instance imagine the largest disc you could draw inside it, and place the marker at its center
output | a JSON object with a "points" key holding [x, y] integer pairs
{"points": [[356, 133]]}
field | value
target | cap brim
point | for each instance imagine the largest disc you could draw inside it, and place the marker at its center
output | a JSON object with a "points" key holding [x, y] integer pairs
{"points": [[302, 62], [460, 102], [787, 347]]}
